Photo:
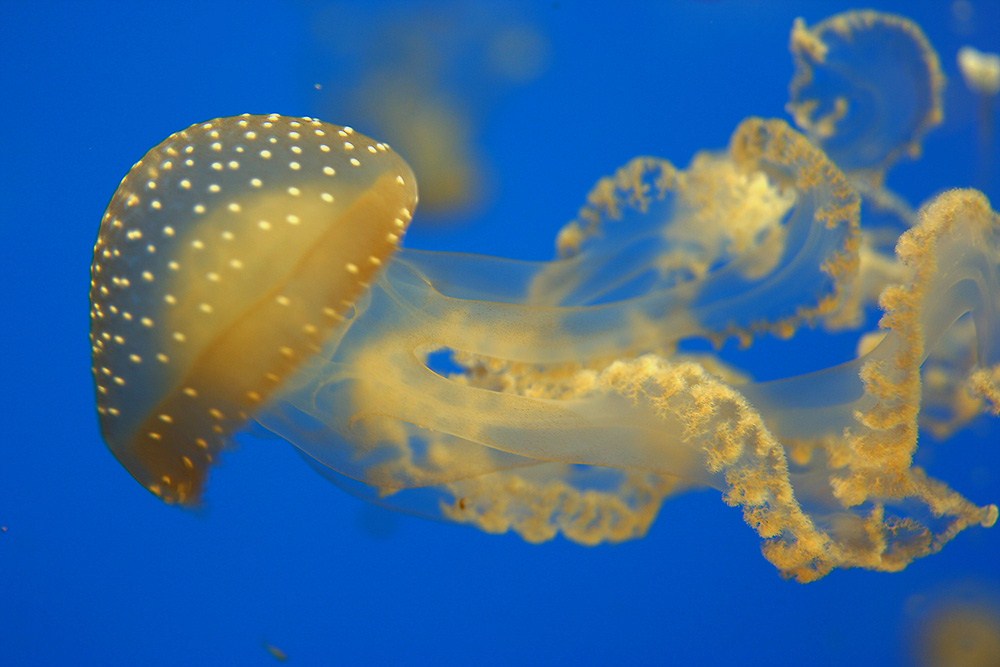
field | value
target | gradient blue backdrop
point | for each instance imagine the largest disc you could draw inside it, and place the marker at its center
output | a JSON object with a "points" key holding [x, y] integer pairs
{"points": [[94, 570]]}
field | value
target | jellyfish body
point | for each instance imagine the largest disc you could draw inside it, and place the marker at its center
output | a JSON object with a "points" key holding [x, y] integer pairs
{"points": [[226, 257]]}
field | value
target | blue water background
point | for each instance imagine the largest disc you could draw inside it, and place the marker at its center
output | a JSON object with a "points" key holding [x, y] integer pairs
{"points": [[94, 570]]}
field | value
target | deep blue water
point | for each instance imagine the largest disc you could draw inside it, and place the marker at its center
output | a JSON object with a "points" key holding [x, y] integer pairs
{"points": [[94, 570]]}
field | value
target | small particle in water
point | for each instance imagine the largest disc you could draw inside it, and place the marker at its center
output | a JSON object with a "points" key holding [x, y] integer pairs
{"points": [[276, 652]]}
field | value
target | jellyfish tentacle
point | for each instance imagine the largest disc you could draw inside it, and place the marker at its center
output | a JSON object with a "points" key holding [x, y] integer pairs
{"points": [[867, 87], [954, 257], [765, 237]]}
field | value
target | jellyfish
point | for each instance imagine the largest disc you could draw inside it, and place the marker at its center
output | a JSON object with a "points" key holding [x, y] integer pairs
{"points": [[428, 76], [958, 625], [248, 273]]}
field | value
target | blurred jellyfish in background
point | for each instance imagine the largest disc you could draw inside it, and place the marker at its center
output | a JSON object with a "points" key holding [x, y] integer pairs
{"points": [[957, 627], [248, 268], [427, 77]]}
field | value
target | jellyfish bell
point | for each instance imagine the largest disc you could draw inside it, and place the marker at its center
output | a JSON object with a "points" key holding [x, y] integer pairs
{"points": [[226, 257]]}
